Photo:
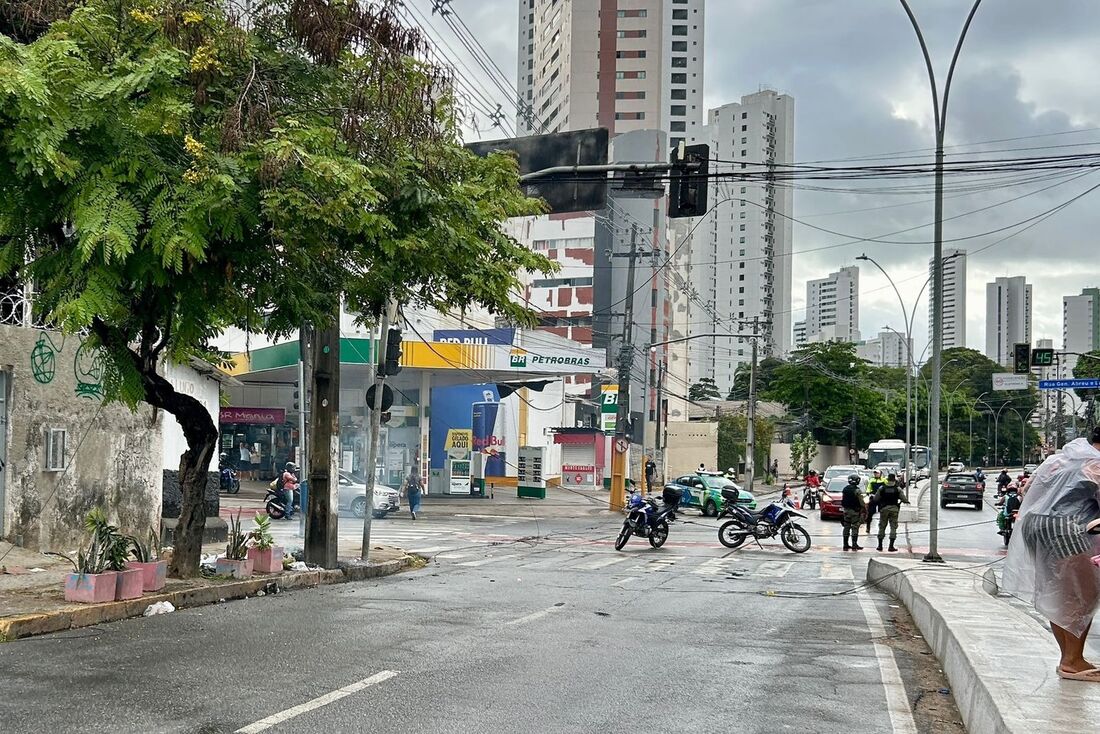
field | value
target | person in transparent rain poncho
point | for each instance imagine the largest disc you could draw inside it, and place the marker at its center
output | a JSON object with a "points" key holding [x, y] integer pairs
{"points": [[1052, 558]]}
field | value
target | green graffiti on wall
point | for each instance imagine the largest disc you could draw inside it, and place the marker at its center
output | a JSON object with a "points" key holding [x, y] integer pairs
{"points": [[88, 367], [43, 358]]}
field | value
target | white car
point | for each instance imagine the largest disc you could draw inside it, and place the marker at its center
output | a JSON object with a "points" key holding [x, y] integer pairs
{"points": [[1030, 468], [956, 467], [353, 497], [840, 470]]}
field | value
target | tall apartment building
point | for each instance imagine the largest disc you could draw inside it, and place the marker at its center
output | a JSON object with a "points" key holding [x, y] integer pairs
{"points": [[954, 298], [620, 64], [740, 262], [888, 349], [1007, 317], [1080, 326], [832, 308]]}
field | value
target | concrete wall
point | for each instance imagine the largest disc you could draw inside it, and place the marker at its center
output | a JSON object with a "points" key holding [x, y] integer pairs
{"points": [[826, 456], [691, 444], [113, 455]]}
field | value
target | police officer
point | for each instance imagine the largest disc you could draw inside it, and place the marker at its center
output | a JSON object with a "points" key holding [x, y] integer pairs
{"points": [[855, 507], [890, 496], [873, 485]]}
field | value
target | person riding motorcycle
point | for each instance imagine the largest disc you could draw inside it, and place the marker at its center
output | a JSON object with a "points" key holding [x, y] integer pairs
{"points": [[1008, 504], [1003, 480], [289, 481], [979, 476]]}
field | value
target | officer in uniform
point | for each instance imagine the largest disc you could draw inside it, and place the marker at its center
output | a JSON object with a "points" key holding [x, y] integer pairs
{"points": [[890, 496], [855, 507], [873, 485]]}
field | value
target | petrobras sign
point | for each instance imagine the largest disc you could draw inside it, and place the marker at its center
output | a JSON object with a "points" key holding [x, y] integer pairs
{"points": [[565, 361], [475, 336]]}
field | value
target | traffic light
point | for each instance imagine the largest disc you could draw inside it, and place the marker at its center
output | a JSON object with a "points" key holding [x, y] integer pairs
{"points": [[1042, 357], [392, 363], [297, 404], [687, 189], [1022, 359]]}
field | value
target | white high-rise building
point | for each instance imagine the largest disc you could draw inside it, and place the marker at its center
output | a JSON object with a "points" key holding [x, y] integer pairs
{"points": [[832, 307], [1080, 327], [620, 64], [954, 298], [888, 349], [740, 264], [1007, 317]]}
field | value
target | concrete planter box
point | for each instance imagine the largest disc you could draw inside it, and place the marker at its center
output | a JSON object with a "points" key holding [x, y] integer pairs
{"points": [[236, 569], [266, 561], [129, 584], [91, 588], [153, 574]]}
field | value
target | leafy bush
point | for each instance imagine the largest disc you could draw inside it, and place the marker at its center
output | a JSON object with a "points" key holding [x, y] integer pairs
{"points": [[261, 536]]}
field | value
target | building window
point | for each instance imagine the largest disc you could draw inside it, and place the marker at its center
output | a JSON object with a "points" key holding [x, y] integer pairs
{"points": [[640, 54], [679, 30], [742, 228], [744, 153], [680, 46], [629, 95], [742, 215], [744, 115], [741, 289], [56, 440], [641, 13], [678, 109], [741, 276], [630, 75], [678, 126], [741, 266], [743, 189], [629, 115], [679, 94], [679, 62], [680, 14], [744, 140], [679, 78], [631, 34]]}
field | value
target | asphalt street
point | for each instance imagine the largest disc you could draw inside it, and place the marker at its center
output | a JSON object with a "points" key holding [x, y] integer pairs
{"points": [[514, 626]]}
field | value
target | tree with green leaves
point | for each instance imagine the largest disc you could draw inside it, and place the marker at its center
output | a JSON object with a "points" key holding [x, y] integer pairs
{"points": [[704, 389], [765, 371], [170, 168], [803, 451], [732, 437]]}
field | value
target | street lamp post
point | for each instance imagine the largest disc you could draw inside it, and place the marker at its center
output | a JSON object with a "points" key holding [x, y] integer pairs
{"points": [[940, 115], [950, 409]]}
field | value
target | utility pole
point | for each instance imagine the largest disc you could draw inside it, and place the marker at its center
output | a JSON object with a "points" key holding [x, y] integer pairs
{"points": [[621, 443], [750, 433], [379, 359], [658, 439], [324, 445]]}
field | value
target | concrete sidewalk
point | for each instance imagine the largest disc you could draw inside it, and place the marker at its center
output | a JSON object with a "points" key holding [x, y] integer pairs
{"points": [[999, 659], [32, 600]]}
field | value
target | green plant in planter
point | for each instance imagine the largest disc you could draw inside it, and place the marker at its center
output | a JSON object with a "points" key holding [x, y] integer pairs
{"points": [[105, 550], [146, 552], [261, 537], [237, 547]]}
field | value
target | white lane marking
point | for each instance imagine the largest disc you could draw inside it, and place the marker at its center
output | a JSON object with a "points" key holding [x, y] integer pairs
{"points": [[773, 569], [453, 556], [624, 582], [897, 703], [429, 549], [842, 572], [290, 713], [533, 616], [513, 518], [710, 567], [599, 563], [483, 561]]}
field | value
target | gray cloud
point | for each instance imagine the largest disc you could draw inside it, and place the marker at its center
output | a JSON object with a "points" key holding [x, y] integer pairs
{"points": [[855, 70]]}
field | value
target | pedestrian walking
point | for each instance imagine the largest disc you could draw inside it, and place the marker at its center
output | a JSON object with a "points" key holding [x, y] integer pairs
{"points": [[775, 470], [889, 497], [1056, 562], [650, 473], [413, 492], [854, 506]]}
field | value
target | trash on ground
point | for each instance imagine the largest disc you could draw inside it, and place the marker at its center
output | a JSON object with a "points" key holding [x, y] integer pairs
{"points": [[160, 607]]}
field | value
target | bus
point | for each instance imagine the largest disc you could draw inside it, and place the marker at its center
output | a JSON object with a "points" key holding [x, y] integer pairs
{"points": [[893, 450]]}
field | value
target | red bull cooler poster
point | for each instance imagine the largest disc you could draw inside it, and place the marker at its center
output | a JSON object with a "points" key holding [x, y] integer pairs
{"points": [[490, 426]]}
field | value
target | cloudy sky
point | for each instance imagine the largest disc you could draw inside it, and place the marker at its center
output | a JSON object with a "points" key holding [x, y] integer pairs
{"points": [[1028, 71]]}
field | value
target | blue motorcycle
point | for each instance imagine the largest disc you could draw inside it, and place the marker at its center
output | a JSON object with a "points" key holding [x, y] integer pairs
{"points": [[646, 519], [775, 519]]}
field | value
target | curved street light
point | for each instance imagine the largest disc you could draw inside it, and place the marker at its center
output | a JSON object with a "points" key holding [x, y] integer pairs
{"points": [[939, 113]]}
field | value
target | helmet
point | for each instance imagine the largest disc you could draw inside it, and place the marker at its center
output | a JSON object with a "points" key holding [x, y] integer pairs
{"points": [[731, 470], [878, 472], [853, 479], [291, 466]]}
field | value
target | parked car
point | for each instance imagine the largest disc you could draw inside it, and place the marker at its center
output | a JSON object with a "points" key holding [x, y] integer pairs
{"points": [[353, 497], [892, 467], [1030, 468], [831, 495], [962, 488], [956, 467], [705, 492]]}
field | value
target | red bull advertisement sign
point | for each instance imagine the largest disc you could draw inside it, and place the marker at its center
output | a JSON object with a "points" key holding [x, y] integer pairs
{"points": [[489, 424]]}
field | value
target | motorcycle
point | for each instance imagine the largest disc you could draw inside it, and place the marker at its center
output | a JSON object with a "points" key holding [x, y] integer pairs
{"points": [[775, 519], [275, 502], [809, 498], [230, 482], [646, 520]]}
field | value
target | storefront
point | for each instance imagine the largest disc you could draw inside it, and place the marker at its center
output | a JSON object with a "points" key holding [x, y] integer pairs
{"points": [[582, 457], [257, 440]]}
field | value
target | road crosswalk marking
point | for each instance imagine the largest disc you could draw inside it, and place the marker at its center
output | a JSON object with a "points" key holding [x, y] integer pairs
{"points": [[600, 563], [484, 561], [773, 569]]}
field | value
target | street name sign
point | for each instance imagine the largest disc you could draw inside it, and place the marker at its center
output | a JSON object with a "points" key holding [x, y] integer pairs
{"points": [[1009, 381], [1078, 384]]}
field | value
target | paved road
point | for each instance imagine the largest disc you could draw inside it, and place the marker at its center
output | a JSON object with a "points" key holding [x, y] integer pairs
{"points": [[516, 633]]}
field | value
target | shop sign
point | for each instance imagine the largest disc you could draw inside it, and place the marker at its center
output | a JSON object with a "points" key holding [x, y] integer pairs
{"points": [[254, 416]]}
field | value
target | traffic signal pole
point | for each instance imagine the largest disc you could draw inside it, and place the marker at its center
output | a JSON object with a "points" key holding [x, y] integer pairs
{"points": [[621, 442], [375, 425]]}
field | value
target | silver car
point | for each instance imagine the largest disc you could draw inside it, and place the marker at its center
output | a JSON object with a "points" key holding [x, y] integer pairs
{"points": [[353, 497]]}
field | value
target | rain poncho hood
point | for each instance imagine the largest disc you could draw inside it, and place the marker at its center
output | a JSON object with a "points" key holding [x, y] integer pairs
{"points": [[1065, 590]]}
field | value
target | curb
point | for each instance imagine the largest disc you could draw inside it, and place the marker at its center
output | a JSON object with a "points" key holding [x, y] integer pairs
{"points": [[29, 625], [999, 688]]}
